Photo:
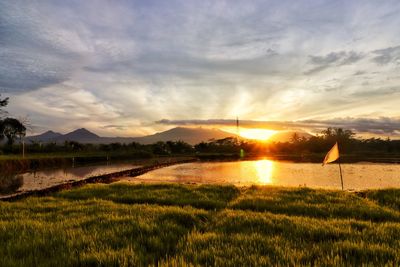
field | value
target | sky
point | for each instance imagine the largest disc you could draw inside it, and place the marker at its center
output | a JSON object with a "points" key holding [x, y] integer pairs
{"points": [[131, 68]]}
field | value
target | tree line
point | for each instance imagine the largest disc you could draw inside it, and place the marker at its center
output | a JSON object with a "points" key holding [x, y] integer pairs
{"points": [[321, 143], [318, 144]]}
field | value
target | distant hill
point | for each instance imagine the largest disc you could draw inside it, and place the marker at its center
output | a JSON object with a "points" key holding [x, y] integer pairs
{"points": [[188, 135], [80, 135], [45, 137], [286, 136]]}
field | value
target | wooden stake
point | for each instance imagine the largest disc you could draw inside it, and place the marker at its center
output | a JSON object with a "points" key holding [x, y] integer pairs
{"points": [[341, 177]]}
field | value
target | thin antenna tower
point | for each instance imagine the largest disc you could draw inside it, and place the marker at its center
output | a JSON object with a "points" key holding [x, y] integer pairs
{"points": [[237, 125]]}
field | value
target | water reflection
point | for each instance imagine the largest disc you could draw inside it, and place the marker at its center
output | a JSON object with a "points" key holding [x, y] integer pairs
{"points": [[264, 169], [35, 180], [10, 182], [267, 172]]}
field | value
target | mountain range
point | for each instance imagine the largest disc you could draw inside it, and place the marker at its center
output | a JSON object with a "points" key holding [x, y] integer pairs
{"points": [[188, 135]]}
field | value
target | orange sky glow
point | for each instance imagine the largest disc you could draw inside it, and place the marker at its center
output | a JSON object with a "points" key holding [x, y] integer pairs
{"points": [[252, 133]]}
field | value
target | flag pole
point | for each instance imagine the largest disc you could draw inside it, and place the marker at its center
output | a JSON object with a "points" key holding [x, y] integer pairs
{"points": [[341, 177], [333, 155]]}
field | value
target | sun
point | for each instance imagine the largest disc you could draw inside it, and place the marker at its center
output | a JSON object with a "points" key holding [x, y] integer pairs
{"points": [[257, 134], [252, 133]]}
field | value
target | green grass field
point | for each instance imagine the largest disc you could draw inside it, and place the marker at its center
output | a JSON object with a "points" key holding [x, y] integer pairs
{"points": [[189, 225]]}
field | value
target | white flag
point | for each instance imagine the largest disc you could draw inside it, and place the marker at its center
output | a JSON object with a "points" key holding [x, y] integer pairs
{"points": [[332, 155]]}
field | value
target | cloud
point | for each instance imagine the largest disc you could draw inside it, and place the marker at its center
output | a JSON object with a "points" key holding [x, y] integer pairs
{"points": [[384, 91], [333, 59], [387, 55], [381, 126], [80, 63], [275, 125], [358, 73], [33, 54], [116, 127]]}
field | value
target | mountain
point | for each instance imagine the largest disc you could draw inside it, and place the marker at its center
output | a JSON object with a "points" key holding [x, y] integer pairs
{"points": [[188, 135], [286, 136], [80, 135], [44, 137]]}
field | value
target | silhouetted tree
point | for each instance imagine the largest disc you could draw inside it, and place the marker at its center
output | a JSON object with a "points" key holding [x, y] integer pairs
{"points": [[179, 147], [225, 145], [3, 103], [73, 146], [344, 137], [295, 138], [11, 129], [160, 148]]}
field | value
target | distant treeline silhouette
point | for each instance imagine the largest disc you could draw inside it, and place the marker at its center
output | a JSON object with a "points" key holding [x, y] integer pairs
{"points": [[159, 148], [320, 143]]}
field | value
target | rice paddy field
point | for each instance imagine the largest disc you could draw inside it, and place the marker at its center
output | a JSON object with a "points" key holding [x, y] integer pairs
{"points": [[128, 224]]}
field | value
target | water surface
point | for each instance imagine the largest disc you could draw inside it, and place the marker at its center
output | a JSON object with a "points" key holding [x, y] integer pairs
{"points": [[12, 183], [267, 172], [42, 179]]}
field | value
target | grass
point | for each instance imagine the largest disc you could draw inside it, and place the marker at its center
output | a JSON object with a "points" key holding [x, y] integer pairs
{"points": [[202, 197], [209, 225], [386, 197]]}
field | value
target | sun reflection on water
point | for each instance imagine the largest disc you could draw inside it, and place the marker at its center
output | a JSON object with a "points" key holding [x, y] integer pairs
{"points": [[264, 169]]}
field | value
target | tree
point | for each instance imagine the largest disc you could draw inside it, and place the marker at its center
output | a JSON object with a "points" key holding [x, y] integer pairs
{"points": [[3, 103], [179, 147], [345, 138], [295, 138], [337, 134], [160, 148], [11, 129]]}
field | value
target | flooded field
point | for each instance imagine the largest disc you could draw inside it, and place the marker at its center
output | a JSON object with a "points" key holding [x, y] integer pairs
{"points": [[267, 172], [10, 183], [356, 176]]}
